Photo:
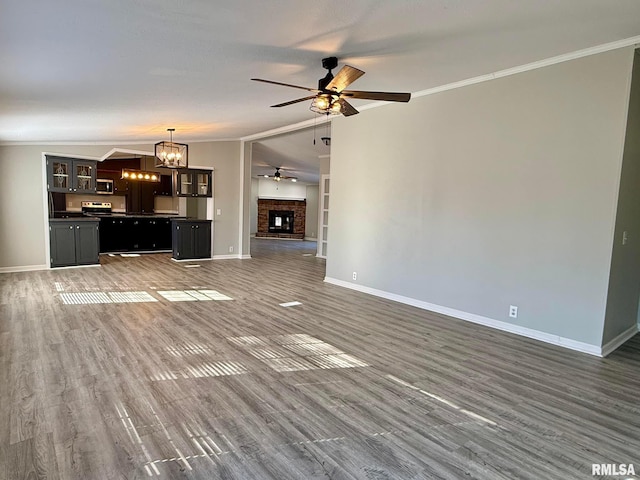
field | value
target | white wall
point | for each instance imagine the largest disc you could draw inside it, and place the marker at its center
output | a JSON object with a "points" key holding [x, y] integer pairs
{"points": [[285, 189], [22, 201], [496, 194]]}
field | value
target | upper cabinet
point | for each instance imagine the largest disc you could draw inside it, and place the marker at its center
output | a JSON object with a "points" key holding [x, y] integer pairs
{"points": [[71, 175], [164, 187], [193, 183]]}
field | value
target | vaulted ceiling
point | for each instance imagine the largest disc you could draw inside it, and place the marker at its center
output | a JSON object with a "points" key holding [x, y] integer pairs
{"points": [[123, 71]]}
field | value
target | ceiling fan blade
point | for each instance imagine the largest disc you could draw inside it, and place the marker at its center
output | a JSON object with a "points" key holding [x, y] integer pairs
{"points": [[346, 108], [294, 101], [386, 96], [345, 77], [286, 85]]}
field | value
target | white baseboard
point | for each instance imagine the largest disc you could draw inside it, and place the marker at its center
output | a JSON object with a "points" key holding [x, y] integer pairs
{"points": [[195, 260], [23, 268], [611, 345], [215, 257], [470, 317], [233, 256], [311, 239]]}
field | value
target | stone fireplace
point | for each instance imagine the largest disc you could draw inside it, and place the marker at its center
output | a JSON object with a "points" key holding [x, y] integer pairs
{"points": [[281, 218]]}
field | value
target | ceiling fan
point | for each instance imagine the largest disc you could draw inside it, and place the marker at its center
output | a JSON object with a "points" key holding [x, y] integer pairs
{"points": [[330, 97], [277, 176]]}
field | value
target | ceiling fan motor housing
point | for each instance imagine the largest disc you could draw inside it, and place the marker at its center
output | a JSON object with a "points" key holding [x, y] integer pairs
{"points": [[328, 63]]}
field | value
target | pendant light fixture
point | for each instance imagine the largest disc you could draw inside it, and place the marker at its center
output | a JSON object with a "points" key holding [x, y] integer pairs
{"points": [[171, 154]]}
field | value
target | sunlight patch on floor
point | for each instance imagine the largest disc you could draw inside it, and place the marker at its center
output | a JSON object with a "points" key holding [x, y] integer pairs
{"points": [[295, 352], [192, 295]]}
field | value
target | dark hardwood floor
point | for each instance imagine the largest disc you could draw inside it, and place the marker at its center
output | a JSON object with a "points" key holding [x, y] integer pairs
{"points": [[147, 368]]}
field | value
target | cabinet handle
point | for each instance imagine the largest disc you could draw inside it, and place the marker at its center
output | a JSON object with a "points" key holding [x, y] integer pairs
{"points": [[78, 226], [71, 227], [197, 226]]}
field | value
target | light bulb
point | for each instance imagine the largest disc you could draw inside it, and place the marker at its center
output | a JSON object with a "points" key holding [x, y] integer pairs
{"points": [[153, 177], [125, 174], [139, 175], [146, 176], [294, 179], [322, 103]]}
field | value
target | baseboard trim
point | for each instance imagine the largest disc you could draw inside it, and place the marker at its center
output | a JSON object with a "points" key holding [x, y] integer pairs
{"points": [[613, 344], [310, 239], [228, 257], [478, 319], [195, 260], [23, 268]]}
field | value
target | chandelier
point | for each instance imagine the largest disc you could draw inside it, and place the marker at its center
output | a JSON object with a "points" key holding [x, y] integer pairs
{"points": [[171, 154]]}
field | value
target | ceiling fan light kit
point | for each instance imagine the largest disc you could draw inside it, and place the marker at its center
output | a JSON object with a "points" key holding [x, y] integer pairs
{"points": [[330, 96], [277, 176], [171, 154]]}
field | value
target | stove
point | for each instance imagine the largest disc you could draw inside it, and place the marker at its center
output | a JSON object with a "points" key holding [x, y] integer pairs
{"points": [[96, 208]]}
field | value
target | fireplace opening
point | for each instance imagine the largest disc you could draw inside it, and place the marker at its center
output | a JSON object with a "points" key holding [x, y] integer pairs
{"points": [[280, 221]]}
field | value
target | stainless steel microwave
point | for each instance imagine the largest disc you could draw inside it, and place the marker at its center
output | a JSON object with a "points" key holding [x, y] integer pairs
{"points": [[104, 186]]}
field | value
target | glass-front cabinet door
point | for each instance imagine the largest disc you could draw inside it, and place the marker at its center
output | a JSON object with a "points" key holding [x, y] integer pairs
{"points": [[68, 175], [203, 182], [185, 183], [194, 183], [59, 173], [84, 174]]}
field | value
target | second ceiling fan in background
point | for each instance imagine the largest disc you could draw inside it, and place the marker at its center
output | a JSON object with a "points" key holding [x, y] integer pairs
{"points": [[331, 97]]}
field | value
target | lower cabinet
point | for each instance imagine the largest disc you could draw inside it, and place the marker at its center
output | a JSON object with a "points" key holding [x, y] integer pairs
{"points": [[74, 243], [191, 239], [131, 234]]}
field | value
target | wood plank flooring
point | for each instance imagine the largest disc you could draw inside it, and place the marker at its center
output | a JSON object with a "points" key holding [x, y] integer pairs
{"points": [[148, 368]]}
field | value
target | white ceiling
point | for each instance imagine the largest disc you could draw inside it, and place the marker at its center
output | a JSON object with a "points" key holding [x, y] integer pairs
{"points": [[124, 71]]}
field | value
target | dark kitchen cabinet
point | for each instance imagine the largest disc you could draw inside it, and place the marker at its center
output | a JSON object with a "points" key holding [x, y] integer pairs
{"points": [[114, 236], [71, 175], [140, 198], [193, 183], [130, 234], [165, 187], [160, 233], [74, 243], [191, 239]]}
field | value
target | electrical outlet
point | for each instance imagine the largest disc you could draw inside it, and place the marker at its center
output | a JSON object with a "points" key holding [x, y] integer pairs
{"points": [[355, 275], [218, 211], [231, 249], [625, 238], [513, 311], [69, 204]]}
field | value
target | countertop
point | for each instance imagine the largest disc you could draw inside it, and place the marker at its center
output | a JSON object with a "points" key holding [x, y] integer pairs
{"points": [[75, 219], [66, 216]]}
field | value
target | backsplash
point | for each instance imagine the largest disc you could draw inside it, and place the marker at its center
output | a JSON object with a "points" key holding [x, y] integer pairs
{"points": [[74, 202]]}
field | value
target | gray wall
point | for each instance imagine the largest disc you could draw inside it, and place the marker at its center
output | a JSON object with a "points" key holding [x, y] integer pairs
{"points": [[311, 215], [624, 283], [22, 211], [495, 194], [224, 158], [254, 206]]}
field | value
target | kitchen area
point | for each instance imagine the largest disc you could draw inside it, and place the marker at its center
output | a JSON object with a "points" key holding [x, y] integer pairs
{"points": [[126, 205]]}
